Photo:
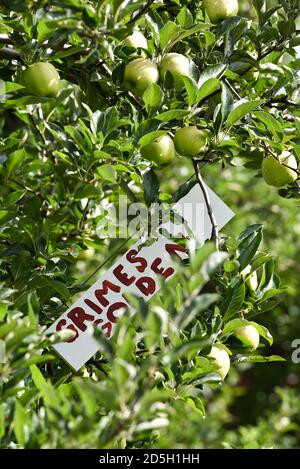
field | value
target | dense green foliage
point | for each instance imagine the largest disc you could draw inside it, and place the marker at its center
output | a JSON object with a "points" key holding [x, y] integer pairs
{"points": [[63, 163]]}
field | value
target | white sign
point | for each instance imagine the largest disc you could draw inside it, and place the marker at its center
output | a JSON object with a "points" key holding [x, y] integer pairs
{"points": [[193, 209], [138, 271]]}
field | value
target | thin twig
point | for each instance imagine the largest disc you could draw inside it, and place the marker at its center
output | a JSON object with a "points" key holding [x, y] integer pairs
{"points": [[38, 131], [140, 13], [84, 214], [268, 150], [215, 233], [23, 186], [227, 83]]}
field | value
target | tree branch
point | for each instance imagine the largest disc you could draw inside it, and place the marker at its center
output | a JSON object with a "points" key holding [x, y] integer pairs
{"points": [[215, 233], [4, 39], [10, 54]]}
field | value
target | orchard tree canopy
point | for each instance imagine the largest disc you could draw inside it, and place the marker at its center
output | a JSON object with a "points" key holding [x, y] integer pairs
{"points": [[105, 98]]}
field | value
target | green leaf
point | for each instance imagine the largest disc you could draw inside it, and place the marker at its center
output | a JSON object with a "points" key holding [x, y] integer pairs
{"points": [[46, 389], [215, 71], [87, 191], [263, 332], [10, 87], [258, 359], [207, 88], [250, 230], [167, 33], [190, 348], [2, 421], [233, 300], [181, 35], [234, 324], [87, 396], [33, 309], [241, 109], [226, 100], [153, 97], [191, 90], [176, 114], [151, 187], [248, 249], [197, 404], [185, 18], [198, 306], [20, 423], [183, 190], [15, 159], [107, 172], [145, 139], [270, 122], [44, 30]]}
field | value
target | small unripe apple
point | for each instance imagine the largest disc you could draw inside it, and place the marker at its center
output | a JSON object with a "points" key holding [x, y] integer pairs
{"points": [[251, 281], [190, 141], [279, 171], [249, 336], [178, 65], [161, 150], [221, 358], [41, 79], [136, 40], [220, 9], [139, 74]]}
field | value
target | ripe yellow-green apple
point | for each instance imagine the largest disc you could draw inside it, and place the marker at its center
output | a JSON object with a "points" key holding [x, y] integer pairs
{"points": [[178, 65], [139, 74], [136, 40], [220, 9], [248, 335], [161, 150], [279, 171], [190, 141], [41, 79], [251, 280], [221, 358]]}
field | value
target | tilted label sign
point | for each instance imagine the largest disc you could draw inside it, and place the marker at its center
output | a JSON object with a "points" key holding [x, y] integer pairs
{"points": [[140, 272]]}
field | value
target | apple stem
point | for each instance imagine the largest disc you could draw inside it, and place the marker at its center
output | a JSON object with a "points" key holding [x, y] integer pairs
{"points": [[215, 232]]}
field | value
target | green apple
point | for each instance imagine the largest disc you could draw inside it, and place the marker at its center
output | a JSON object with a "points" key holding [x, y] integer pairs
{"points": [[220, 9], [178, 65], [248, 335], [41, 79], [279, 171], [190, 141], [136, 40], [221, 358], [139, 74], [161, 150], [251, 279]]}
